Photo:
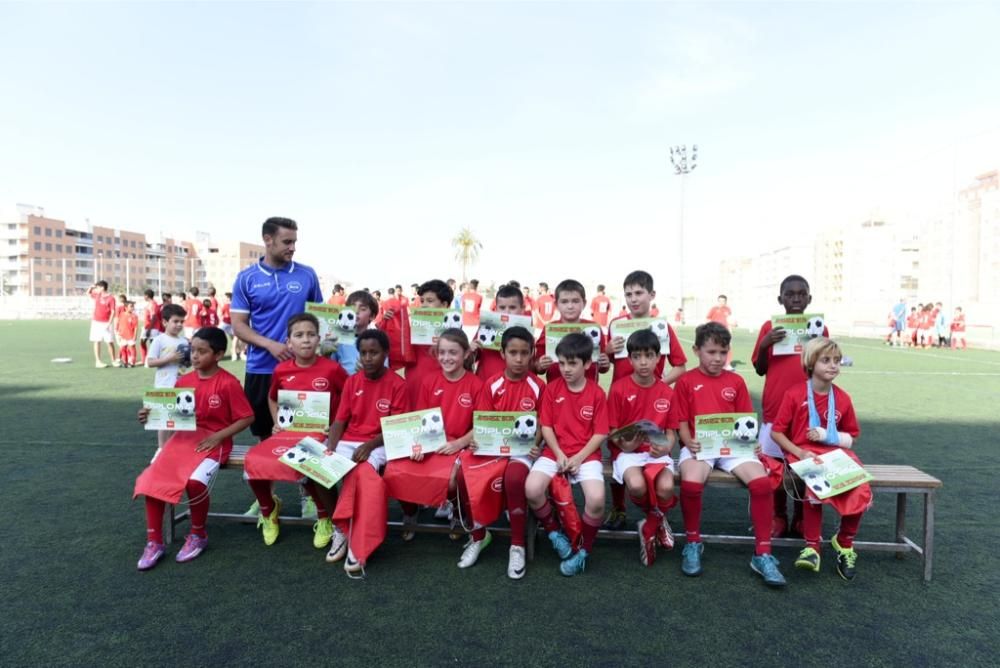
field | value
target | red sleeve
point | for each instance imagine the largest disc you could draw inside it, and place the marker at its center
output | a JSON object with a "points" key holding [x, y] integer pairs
{"points": [[540, 345], [484, 400], [545, 417], [671, 421], [338, 378], [424, 400], [344, 409], [272, 394], [600, 412], [848, 418], [764, 329], [398, 402], [783, 422], [614, 408], [676, 356], [743, 401], [681, 406], [239, 405]]}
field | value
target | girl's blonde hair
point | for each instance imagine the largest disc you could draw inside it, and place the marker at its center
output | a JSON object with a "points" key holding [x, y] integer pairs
{"points": [[815, 349]]}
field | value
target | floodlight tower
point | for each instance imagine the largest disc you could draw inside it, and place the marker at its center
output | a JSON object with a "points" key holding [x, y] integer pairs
{"points": [[683, 165]]}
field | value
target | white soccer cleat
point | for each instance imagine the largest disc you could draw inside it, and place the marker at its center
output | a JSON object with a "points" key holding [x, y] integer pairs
{"points": [[516, 563], [472, 550], [338, 547]]}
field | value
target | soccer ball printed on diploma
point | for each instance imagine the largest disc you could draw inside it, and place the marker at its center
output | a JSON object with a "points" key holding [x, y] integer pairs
{"points": [[426, 324], [303, 411], [335, 321], [557, 331], [170, 409], [309, 458], [726, 435], [504, 433], [799, 328], [492, 325], [417, 432], [625, 327]]}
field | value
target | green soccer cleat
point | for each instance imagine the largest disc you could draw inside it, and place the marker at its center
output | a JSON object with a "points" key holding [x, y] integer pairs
{"points": [[253, 510], [309, 511], [615, 520], [808, 560], [322, 533], [846, 560], [269, 525]]}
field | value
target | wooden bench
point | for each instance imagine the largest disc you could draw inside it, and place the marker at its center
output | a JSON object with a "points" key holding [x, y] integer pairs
{"points": [[903, 481]]}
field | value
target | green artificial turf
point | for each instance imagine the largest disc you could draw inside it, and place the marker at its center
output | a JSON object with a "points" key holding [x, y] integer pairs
{"points": [[71, 536]]}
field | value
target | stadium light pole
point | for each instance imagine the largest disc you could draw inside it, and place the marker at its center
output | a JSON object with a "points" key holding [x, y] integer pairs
{"points": [[683, 165]]}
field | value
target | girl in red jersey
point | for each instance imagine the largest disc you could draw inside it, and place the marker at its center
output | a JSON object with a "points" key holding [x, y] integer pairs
{"points": [[307, 371], [817, 417], [189, 460], [453, 389]]}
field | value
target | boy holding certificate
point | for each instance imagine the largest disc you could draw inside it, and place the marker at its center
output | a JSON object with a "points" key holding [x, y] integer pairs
{"points": [[817, 417], [574, 419], [571, 297], [306, 373], [365, 309], [708, 390], [357, 433], [489, 363], [645, 468], [515, 388], [433, 294], [639, 295], [781, 372]]}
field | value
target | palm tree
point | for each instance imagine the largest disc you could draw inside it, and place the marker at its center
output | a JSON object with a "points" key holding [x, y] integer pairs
{"points": [[466, 249]]}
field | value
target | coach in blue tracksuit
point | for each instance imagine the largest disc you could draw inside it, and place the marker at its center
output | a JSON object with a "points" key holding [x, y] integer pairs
{"points": [[265, 295]]}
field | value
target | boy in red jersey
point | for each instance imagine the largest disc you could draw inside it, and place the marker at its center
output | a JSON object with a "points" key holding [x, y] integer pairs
{"points": [[817, 417], [394, 320], [339, 296], [912, 324], [706, 390], [958, 329], [189, 460], [433, 294], [574, 419], [209, 316], [636, 462], [570, 299], [356, 433], [515, 388], [639, 295], [529, 302], [126, 328], [414, 296], [152, 325], [472, 301], [545, 306], [102, 323], [306, 372], [600, 308], [489, 363], [780, 373], [193, 306]]}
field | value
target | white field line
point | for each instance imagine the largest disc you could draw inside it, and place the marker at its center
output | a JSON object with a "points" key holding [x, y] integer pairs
{"points": [[850, 371], [954, 357]]}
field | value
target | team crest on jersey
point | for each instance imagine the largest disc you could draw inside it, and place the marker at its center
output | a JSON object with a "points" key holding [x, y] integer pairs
{"points": [[826, 416], [382, 405], [465, 400], [497, 485], [527, 404], [321, 384], [214, 401], [661, 405], [278, 451], [587, 412], [293, 286], [729, 393]]}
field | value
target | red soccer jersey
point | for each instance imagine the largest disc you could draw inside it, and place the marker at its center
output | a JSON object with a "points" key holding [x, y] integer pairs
{"points": [[397, 328], [127, 325], [500, 393], [553, 371], [151, 315], [783, 371], [219, 401], [422, 364], [456, 398], [926, 320], [912, 321], [600, 310], [471, 303], [323, 376], [104, 306], [489, 363], [629, 402], [529, 305], [574, 416], [720, 314], [415, 302], [793, 416], [696, 393], [958, 324], [545, 309], [675, 355], [194, 308], [226, 317], [365, 402], [215, 304], [337, 300]]}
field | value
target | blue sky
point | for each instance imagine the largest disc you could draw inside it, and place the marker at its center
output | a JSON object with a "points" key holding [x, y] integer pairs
{"points": [[384, 128]]}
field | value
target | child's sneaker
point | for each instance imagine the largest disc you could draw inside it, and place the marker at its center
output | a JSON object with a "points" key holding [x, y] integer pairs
{"points": [[269, 525], [766, 566], [691, 559], [808, 560], [561, 544], [150, 555], [846, 560], [322, 533], [444, 511], [352, 566], [308, 507], [253, 510], [647, 545], [100, 365], [193, 546], [516, 563], [615, 520], [665, 535], [575, 564], [472, 550], [409, 527], [338, 546]]}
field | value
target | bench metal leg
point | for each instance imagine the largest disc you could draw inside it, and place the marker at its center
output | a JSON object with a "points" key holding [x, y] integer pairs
{"points": [[531, 536], [900, 521], [928, 535]]}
